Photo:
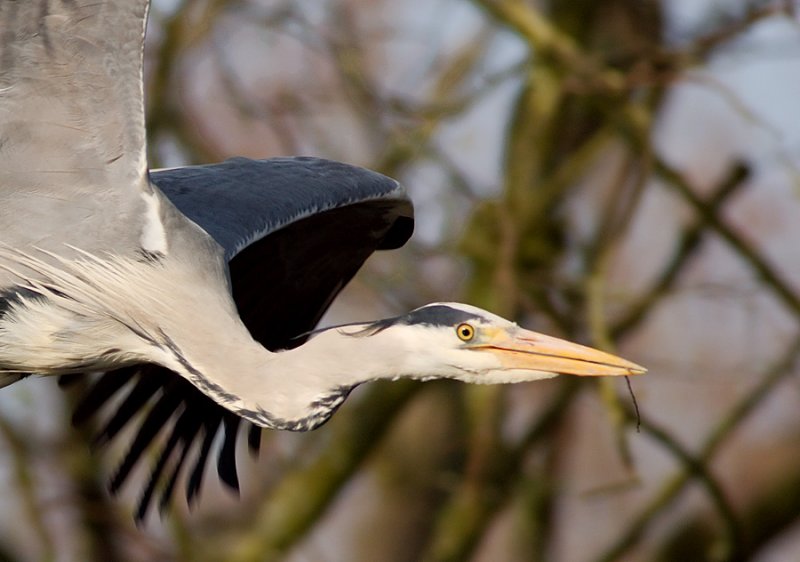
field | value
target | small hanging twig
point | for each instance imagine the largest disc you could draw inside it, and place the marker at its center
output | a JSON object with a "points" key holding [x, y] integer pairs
{"points": [[635, 405]]}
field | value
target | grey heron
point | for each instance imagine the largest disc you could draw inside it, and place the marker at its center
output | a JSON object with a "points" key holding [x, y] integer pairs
{"points": [[164, 281]]}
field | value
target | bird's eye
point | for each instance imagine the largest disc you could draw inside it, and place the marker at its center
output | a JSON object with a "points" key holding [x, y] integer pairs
{"points": [[465, 332]]}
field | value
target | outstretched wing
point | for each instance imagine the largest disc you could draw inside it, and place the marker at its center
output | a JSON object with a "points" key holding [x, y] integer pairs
{"points": [[72, 137], [295, 230], [240, 201]]}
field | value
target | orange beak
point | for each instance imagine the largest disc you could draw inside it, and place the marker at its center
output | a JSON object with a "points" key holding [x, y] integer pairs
{"points": [[523, 349]]}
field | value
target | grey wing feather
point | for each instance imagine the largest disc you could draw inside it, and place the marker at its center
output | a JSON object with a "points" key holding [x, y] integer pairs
{"points": [[240, 201], [72, 136]]}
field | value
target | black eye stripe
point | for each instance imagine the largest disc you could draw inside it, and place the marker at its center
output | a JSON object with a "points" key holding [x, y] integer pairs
{"points": [[439, 315], [431, 315]]}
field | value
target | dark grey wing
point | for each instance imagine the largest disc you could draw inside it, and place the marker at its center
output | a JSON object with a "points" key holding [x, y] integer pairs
{"points": [[72, 137], [240, 201], [297, 230]]}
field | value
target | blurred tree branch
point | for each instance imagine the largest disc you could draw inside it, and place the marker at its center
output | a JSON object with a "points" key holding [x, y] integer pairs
{"points": [[732, 540], [302, 496], [164, 113], [673, 487], [26, 487], [687, 245], [749, 253], [464, 518], [773, 511]]}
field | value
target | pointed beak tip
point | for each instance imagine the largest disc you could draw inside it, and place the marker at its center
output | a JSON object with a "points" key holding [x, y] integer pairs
{"points": [[623, 368], [611, 370], [634, 369]]}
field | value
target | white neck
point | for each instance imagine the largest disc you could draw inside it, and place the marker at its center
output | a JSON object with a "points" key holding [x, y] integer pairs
{"points": [[299, 389]]}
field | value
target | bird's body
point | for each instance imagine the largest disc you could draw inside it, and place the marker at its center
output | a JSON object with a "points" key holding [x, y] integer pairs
{"points": [[214, 278]]}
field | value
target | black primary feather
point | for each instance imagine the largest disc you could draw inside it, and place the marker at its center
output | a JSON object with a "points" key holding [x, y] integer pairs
{"points": [[195, 480], [254, 440], [138, 395], [185, 430], [157, 418], [155, 476], [226, 460]]}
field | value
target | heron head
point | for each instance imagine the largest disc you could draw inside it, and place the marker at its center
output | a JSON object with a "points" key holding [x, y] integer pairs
{"points": [[458, 341]]}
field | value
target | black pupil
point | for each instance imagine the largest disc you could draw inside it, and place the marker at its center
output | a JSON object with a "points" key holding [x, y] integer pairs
{"points": [[466, 331]]}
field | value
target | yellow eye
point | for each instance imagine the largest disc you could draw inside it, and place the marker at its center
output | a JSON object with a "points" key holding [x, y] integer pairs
{"points": [[465, 332]]}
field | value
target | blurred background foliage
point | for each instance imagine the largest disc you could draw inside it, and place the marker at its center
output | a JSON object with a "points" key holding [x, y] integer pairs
{"points": [[622, 172]]}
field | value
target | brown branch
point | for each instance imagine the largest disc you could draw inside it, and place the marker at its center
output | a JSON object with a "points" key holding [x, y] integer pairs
{"points": [[163, 110], [301, 497], [689, 242], [550, 42], [464, 518], [747, 251], [26, 487], [698, 469], [674, 486]]}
